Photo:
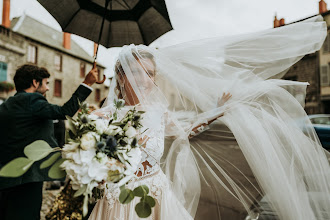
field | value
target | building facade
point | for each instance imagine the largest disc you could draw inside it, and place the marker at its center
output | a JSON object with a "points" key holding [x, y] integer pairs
{"points": [[314, 69], [28, 41]]}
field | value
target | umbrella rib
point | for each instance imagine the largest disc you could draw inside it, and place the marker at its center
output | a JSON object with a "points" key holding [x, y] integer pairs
{"points": [[124, 6], [71, 19]]}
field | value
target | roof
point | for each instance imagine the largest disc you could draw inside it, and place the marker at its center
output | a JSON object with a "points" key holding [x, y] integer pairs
{"points": [[35, 30]]}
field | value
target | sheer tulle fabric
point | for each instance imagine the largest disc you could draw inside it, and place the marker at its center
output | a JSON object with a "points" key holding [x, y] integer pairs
{"points": [[276, 144]]}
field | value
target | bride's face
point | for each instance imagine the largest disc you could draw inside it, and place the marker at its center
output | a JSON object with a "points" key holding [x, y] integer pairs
{"points": [[144, 76]]}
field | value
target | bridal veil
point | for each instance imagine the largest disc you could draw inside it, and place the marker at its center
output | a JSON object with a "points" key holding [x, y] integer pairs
{"points": [[278, 154]]}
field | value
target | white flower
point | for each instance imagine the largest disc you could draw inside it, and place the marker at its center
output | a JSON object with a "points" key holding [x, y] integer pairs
{"points": [[102, 157], [97, 171], [74, 156], [100, 125], [71, 146], [131, 132], [93, 117], [88, 140], [113, 130], [134, 159], [87, 156]]}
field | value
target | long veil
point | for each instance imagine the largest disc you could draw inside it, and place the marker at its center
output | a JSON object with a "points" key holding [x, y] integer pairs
{"points": [[273, 151]]}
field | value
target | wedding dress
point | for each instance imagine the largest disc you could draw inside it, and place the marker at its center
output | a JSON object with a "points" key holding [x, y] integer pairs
{"points": [[149, 173], [278, 155]]}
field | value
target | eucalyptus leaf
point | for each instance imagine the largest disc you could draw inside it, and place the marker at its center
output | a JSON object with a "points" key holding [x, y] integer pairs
{"points": [[71, 126], [143, 209], [37, 150], [139, 191], [151, 201], [16, 167], [55, 172], [80, 191], [50, 160], [126, 196]]}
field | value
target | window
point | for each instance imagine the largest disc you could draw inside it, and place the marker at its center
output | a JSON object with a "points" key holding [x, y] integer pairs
{"points": [[58, 88], [32, 55], [58, 62], [97, 95], [324, 75], [326, 44], [3, 71], [82, 70]]}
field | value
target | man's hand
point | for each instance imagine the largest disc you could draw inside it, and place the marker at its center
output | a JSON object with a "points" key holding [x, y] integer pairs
{"points": [[225, 97], [91, 77]]}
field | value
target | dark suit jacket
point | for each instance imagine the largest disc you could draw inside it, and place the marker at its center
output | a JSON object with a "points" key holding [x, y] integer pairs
{"points": [[25, 118]]}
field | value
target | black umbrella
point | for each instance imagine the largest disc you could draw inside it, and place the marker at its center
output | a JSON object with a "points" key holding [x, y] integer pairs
{"points": [[112, 23]]}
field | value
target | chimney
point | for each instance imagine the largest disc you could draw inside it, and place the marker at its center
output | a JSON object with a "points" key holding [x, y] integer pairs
{"points": [[67, 40], [276, 22], [282, 22], [5, 13], [322, 7]]}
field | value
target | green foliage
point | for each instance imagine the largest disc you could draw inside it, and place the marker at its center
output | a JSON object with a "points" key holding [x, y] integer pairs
{"points": [[143, 209], [80, 191], [151, 201], [50, 160], [55, 172], [16, 167], [126, 196], [140, 191], [37, 150]]}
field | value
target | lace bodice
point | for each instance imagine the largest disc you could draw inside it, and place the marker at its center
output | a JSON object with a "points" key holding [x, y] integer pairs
{"points": [[152, 144]]}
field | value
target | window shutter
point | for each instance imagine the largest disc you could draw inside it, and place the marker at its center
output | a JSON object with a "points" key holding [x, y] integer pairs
{"points": [[324, 77], [97, 95], [58, 88], [3, 71]]}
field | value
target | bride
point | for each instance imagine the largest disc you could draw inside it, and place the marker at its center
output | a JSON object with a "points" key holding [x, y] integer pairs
{"points": [[232, 81]]}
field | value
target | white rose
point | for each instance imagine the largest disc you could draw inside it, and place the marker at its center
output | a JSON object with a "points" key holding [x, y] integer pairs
{"points": [[100, 125], [88, 140], [131, 132]]}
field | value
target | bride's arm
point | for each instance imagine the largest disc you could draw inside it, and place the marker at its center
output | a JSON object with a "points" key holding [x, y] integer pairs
{"points": [[196, 130]]}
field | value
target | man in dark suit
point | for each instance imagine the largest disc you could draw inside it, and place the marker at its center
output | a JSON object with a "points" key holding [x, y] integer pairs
{"points": [[25, 118]]}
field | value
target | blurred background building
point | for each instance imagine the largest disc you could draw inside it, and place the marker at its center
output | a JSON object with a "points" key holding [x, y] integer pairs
{"points": [[24, 40], [313, 68]]}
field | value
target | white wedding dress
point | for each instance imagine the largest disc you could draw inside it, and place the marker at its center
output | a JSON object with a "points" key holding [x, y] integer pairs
{"points": [[149, 173], [278, 154]]}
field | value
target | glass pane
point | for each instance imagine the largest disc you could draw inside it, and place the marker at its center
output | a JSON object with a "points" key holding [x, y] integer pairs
{"points": [[3, 71]]}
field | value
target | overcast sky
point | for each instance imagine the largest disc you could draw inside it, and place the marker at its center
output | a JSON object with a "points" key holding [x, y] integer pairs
{"points": [[193, 19]]}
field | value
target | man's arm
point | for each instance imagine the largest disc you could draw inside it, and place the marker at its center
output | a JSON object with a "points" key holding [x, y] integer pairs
{"points": [[40, 107]]}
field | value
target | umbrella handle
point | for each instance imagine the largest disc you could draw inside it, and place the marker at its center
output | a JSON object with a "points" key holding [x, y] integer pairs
{"points": [[104, 78]]}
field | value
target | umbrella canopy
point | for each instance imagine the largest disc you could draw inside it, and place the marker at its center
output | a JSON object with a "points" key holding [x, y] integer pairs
{"points": [[123, 21]]}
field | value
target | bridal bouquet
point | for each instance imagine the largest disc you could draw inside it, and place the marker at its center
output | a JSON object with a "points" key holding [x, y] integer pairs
{"points": [[100, 151]]}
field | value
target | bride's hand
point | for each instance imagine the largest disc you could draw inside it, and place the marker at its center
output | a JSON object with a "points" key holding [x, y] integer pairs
{"points": [[225, 97]]}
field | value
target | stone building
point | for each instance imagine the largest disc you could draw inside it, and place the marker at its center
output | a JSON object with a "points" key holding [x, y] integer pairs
{"points": [[314, 69], [26, 40]]}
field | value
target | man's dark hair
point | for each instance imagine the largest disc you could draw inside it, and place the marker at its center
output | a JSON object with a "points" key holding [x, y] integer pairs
{"points": [[25, 75]]}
